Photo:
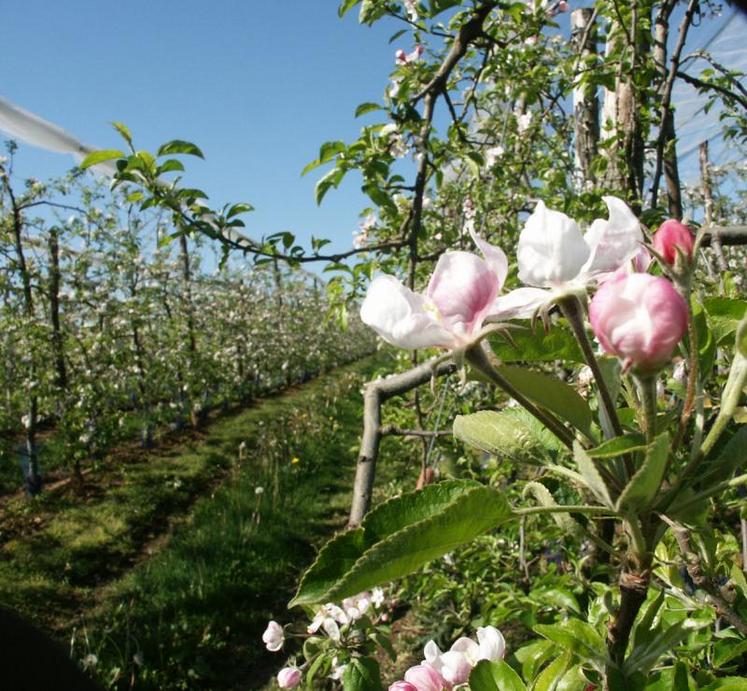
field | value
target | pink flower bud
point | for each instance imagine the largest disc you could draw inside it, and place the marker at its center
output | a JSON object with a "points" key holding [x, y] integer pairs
{"points": [[670, 236], [639, 318], [424, 678], [289, 677], [403, 686]]}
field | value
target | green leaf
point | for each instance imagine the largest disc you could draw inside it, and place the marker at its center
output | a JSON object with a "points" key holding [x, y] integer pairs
{"points": [[364, 108], [379, 196], [726, 684], [169, 166], [495, 676], [399, 536], [179, 146], [728, 650], [644, 628], [640, 492], [537, 346], [346, 6], [549, 678], [438, 6], [706, 341], [579, 638], [543, 496], [330, 179], [591, 476], [533, 655], [370, 11], [731, 457], [361, 674], [551, 393], [501, 434], [724, 315], [124, 131], [240, 208], [329, 150], [628, 443], [643, 657], [101, 156]]}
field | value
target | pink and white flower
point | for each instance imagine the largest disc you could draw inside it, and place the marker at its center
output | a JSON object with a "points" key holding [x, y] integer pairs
{"points": [[289, 677], [460, 295], [456, 664], [329, 618], [273, 637], [424, 678], [402, 58], [639, 318]]}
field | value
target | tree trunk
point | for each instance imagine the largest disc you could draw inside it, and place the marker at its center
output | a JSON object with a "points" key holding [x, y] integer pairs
{"points": [[585, 101]]}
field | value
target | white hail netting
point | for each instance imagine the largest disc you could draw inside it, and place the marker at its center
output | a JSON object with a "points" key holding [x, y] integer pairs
{"points": [[726, 44], [31, 129]]}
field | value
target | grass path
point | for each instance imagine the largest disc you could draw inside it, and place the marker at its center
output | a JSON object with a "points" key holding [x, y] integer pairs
{"points": [[169, 567]]}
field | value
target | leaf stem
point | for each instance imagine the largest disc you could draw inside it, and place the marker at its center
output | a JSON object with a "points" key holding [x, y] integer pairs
{"points": [[478, 358]]}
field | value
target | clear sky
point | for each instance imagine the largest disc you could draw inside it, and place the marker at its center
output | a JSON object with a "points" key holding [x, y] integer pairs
{"points": [[258, 85]]}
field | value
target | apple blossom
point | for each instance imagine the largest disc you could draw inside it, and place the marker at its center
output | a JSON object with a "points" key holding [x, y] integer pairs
{"points": [[556, 259], [455, 664], [377, 597], [402, 58], [273, 637], [492, 645], [639, 318], [402, 686], [672, 236], [289, 677], [424, 678], [329, 617], [460, 295], [411, 7]]}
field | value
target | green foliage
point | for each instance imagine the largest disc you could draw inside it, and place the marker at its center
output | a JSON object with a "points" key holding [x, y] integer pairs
{"points": [[399, 536], [495, 676]]}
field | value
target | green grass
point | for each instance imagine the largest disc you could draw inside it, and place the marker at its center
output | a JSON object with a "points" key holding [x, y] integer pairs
{"points": [[171, 590]]}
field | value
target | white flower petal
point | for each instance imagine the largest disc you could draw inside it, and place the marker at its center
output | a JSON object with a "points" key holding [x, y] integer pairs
{"points": [[401, 317], [551, 249], [521, 303], [494, 256], [492, 644], [614, 241]]}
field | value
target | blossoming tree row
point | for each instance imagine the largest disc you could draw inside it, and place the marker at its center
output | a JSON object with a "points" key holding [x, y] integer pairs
{"points": [[107, 333]]}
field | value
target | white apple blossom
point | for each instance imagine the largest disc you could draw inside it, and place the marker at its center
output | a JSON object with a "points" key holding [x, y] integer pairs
{"points": [[556, 259]]}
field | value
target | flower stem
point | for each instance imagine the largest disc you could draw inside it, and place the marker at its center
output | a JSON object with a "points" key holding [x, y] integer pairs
{"points": [[647, 389], [692, 378], [573, 312], [478, 358]]}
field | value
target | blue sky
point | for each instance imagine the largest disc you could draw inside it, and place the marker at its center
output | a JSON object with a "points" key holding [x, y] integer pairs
{"points": [[257, 85]]}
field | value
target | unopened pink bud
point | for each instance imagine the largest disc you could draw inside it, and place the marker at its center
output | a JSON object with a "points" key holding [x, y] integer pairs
{"points": [[400, 56], [563, 6], [671, 236], [639, 318], [289, 677]]}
